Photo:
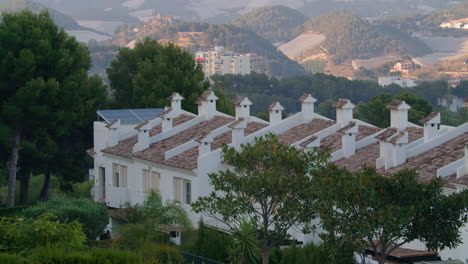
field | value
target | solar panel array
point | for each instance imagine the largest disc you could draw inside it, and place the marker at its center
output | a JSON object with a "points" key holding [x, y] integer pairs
{"points": [[130, 116]]}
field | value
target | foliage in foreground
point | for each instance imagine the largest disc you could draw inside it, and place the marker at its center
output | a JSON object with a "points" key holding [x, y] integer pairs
{"points": [[93, 216], [22, 234], [367, 209], [267, 183]]}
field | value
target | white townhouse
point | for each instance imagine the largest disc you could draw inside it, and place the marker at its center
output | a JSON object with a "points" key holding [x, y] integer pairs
{"points": [[174, 152]]}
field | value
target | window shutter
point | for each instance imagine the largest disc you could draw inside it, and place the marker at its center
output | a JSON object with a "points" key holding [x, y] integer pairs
{"points": [[124, 176], [146, 181], [155, 177]]}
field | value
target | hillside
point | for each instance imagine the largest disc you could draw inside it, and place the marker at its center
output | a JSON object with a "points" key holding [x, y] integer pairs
{"points": [[274, 23], [197, 35], [60, 19], [351, 37]]}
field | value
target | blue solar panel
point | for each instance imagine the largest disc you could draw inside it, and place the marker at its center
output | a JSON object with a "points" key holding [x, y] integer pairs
{"points": [[130, 116]]}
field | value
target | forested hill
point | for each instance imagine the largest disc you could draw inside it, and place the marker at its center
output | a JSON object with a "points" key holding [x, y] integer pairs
{"points": [[198, 35], [439, 16], [60, 19], [351, 37], [275, 23]]}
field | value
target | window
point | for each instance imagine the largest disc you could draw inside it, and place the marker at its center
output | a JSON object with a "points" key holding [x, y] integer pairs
{"points": [[177, 189], [146, 181], [150, 181], [123, 173], [182, 191], [155, 177], [119, 175], [115, 174], [188, 192]]}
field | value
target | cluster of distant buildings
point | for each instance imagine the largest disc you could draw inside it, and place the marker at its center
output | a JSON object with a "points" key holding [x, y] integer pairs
{"points": [[460, 24], [219, 61]]}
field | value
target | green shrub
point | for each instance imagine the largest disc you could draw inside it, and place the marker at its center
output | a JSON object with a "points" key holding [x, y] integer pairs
{"points": [[135, 236], [313, 254], [208, 243], [27, 233], [114, 256], [162, 254], [11, 259], [55, 255], [82, 189], [92, 215]]}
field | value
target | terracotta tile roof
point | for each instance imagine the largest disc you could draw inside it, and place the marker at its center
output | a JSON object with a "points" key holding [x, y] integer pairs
{"points": [[270, 106], [368, 154], [394, 104], [302, 98], [340, 103], [333, 141], [429, 117], [345, 128], [238, 100], [125, 147], [427, 163], [299, 132], [387, 133], [365, 131], [188, 159], [400, 135], [142, 124], [307, 142], [203, 97], [364, 156], [238, 121], [155, 153], [166, 111], [452, 180], [174, 94]]}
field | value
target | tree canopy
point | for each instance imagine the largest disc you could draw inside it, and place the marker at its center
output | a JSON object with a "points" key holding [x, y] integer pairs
{"points": [[47, 97], [382, 212], [145, 76], [376, 112], [267, 183]]}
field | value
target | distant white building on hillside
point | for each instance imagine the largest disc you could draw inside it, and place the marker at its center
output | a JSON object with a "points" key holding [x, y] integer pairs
{"points": [[403, 82], [218, 61]]}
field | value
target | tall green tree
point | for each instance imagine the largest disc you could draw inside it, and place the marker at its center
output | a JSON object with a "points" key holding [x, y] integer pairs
{"points": [[145, 76], [376, 112], [380, 212], [43, 79], [267, 183]]}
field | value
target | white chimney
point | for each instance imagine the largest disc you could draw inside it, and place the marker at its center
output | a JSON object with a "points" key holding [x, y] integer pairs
{"points": [[344, 112], [276, 112], [167, 117], [385, 148], [114, 127], [238, 128], [307, 102], [143, 136], [242, 107], [176, 101], [348, 139], [204, 146], [207, 104], [399, 143], [399, 114], [431, 126]]}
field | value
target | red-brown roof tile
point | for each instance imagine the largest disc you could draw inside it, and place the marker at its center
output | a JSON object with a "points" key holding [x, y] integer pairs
{"points": [[125, 147], [394, 104], [427, 163], [238, 100], [299, 132], [429, 117], [368, 154], [333, 141], [340, 103]]}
